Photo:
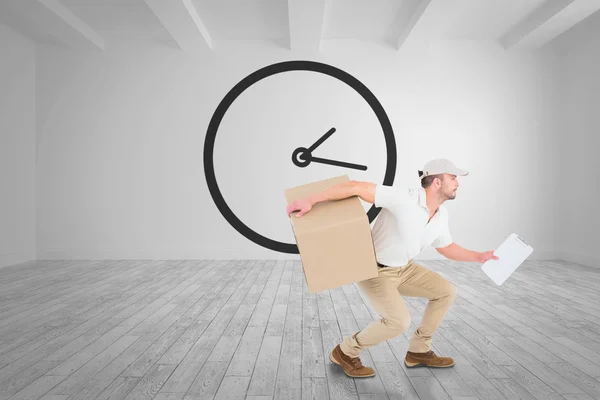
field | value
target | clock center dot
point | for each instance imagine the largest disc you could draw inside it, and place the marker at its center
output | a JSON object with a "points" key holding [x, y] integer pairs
{"points": [[301, 157]]}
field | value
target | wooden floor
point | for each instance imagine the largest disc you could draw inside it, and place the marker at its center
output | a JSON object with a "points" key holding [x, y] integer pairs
{"points": [[249, 329]]}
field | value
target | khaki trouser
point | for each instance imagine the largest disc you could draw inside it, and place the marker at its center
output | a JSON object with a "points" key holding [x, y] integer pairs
{"points": [[385, 295]]}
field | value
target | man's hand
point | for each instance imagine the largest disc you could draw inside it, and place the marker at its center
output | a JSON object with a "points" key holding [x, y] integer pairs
{"points": [[486, 255], [304, 205]]}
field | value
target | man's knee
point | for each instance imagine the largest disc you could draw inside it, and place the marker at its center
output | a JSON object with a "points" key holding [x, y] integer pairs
{"points": [[446, 292], [397, 325], [449, 291]]}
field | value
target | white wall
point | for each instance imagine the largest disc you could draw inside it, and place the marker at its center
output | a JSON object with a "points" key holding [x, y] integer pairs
{"points": [[121, 170], [17, 148], [578, 191]]}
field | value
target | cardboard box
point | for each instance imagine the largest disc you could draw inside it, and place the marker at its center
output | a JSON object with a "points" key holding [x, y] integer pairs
{"points": [[334, 238]]}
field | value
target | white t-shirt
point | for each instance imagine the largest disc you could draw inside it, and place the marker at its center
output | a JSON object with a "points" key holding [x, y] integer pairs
{"points": [[401, 231]]}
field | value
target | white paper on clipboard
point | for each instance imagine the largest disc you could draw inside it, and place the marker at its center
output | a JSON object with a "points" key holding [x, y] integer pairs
{"points": [[511, 253]]}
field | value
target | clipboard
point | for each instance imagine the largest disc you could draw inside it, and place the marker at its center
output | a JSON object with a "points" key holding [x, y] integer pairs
{"points": [[511, 254]]}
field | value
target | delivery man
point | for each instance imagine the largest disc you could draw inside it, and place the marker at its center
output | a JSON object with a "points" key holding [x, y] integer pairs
{"points": [[410, 220]]}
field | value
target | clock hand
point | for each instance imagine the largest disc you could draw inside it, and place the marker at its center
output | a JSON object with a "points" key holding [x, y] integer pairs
{"points": [[302, 157], [337, 163], [321, 140]]}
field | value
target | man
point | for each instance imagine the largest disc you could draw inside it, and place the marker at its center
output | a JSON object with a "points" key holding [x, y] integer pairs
{"points": [[409, 220]]}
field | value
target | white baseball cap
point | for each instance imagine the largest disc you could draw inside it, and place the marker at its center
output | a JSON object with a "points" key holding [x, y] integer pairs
{"points": [[441, 166]]}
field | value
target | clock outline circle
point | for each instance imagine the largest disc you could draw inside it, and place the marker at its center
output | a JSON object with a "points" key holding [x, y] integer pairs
{"points": [[257, 76]]}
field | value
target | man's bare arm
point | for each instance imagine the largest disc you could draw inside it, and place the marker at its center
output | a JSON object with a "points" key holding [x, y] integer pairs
{"points": [[364, 190], [455, 252]]}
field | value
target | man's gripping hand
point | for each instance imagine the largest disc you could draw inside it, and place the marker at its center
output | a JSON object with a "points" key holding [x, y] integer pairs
{"points": [[303, 205], [487, 255]]}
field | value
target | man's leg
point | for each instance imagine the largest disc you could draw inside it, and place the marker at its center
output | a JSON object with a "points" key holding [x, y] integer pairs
{"points": [[419, 281], [395, 319], [383, 296]]}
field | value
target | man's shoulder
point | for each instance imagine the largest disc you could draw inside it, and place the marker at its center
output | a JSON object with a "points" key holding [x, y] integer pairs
{"points": [[412, 190], [396, 195], [408, 192]]}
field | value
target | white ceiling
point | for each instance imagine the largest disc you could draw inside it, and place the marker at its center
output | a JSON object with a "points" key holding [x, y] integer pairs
{"points": [[201, 25]]}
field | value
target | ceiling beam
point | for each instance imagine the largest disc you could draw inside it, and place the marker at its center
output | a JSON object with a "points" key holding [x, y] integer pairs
{"points": [[74, 29], [415, 12], [306, 24], [181, 20], [51, 18], [548, 21]]}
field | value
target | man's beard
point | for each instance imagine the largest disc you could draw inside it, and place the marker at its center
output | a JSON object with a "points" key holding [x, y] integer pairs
{"points": [[451, 195]]}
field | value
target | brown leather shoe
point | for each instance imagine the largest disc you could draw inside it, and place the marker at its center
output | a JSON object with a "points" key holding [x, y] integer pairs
{"points": [[352, 366], [429, 359]]}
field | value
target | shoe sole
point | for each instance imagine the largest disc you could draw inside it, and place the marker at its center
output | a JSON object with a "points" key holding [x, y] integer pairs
{"points": [[333, 360], [417, 365]]}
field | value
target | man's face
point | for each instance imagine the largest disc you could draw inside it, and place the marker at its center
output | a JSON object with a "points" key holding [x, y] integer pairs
{"points": [[449, 186]]}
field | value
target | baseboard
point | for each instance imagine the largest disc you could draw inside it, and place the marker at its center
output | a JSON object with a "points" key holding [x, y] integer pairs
{"points": [[162, 254], [587, 260], [214, 254], [9, 259]]}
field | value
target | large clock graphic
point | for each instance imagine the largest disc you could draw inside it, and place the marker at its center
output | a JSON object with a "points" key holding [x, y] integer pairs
{"points": [[291, 123]]}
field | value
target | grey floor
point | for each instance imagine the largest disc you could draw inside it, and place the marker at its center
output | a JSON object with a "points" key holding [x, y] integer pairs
{"points": [[249, 329]]}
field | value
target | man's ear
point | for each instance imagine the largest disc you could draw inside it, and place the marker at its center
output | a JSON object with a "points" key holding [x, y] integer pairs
{"points": [[440, 179]]}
